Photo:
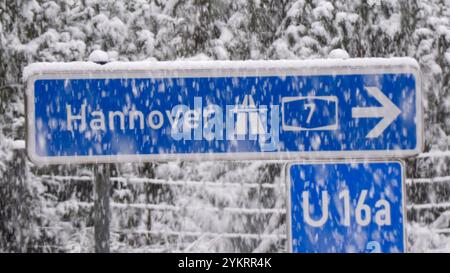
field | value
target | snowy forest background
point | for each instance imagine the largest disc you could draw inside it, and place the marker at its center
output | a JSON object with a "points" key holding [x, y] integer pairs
{"points": [[41, 211]]}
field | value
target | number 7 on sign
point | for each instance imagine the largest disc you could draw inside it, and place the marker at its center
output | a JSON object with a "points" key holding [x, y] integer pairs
{"points": [[311, 113], [312, 108]]}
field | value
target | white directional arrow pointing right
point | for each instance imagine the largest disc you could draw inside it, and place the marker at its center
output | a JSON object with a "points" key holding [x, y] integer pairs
{"points": [[388, 111]]}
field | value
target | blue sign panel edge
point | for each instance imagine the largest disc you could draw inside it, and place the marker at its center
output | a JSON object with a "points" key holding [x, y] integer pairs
{"points": [[287, 179], [255, 68]]}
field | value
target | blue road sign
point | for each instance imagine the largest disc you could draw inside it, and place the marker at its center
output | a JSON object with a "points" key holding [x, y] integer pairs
{"points": [[223, 110], [346, 207]]}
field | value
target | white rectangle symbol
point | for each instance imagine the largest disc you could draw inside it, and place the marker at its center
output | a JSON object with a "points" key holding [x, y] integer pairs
{"points": [[311, 108]]}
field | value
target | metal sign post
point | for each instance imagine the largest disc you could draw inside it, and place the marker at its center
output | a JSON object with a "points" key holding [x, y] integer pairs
{"points": [[102, 214]]}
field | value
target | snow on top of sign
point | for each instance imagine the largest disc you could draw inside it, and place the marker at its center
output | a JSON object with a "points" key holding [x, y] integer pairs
{"points": [[67, 67], [338, 54], [98, 56]]}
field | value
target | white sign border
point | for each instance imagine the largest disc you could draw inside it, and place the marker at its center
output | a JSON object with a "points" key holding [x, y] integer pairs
{"points": [[287, 178], [254, 68]]}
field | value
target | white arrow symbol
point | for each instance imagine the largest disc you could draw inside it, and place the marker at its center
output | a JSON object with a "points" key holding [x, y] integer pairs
{"points": [[389, 112]]}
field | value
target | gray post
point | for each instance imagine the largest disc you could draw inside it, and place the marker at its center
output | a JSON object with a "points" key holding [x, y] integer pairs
{"points": [[102, 213]]}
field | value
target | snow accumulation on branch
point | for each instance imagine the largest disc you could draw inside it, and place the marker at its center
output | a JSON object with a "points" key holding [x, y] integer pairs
{"points": [[260, 65], [165, 207], [156, 181]]}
